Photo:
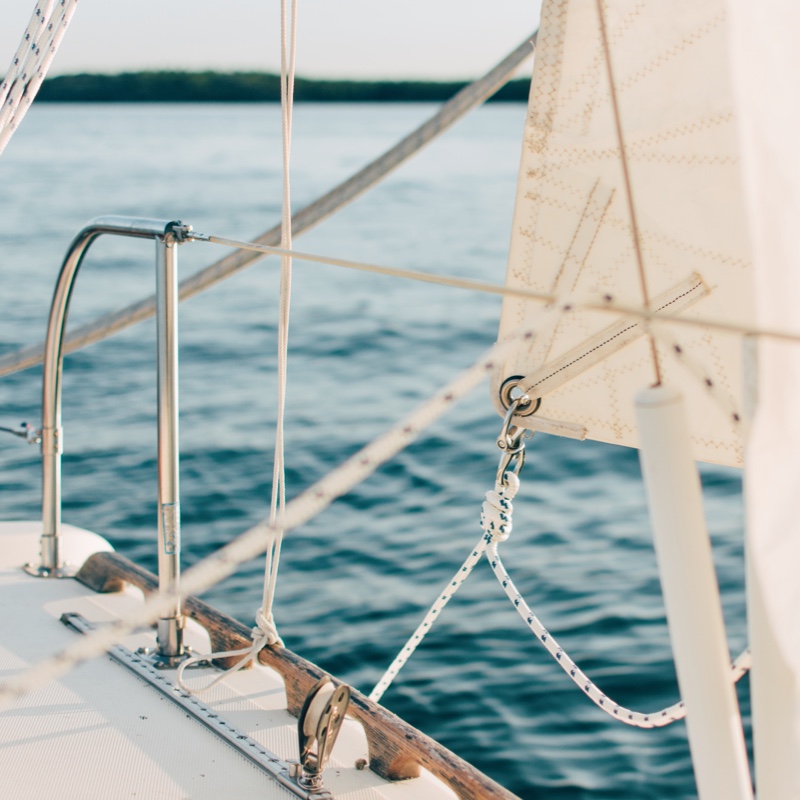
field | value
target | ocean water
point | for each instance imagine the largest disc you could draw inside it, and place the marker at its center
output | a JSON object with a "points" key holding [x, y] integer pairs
{"points": [[364, 350]]}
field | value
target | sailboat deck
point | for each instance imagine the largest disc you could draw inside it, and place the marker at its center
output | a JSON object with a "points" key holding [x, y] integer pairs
{"points": [[100, 732]]}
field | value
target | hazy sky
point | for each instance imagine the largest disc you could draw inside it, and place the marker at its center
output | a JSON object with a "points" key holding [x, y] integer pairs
{"points": [[336, 38]]}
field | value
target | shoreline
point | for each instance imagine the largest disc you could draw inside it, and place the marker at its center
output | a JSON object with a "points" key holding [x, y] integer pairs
{"points": [[251, 87]]}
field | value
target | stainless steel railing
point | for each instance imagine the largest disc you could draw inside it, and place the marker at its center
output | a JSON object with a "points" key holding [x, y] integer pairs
{"points": [[167, 234]]}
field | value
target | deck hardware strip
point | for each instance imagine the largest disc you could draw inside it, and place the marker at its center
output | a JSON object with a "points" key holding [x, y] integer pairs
{"points": [[277, 768]]}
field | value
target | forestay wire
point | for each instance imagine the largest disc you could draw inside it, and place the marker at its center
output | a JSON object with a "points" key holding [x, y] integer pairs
{"points": [[36, 51]]}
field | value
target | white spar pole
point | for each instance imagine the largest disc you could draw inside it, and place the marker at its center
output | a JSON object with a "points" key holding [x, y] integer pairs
{"points": [[691, 597]]}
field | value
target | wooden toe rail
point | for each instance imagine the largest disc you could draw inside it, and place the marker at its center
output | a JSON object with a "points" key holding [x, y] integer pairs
{"points": [[396, 750]]}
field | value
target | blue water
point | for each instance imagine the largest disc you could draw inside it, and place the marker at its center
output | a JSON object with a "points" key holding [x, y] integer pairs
{"points": [[363, 351]]}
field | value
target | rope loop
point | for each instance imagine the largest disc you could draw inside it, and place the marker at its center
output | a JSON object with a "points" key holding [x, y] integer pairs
{"points": [[264, 634]]}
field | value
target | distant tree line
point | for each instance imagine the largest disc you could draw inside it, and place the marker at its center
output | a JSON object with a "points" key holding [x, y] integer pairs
{"points": [[249, 87]]}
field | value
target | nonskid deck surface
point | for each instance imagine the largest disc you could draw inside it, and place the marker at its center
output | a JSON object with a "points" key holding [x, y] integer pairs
{"points": [[100, 732]]}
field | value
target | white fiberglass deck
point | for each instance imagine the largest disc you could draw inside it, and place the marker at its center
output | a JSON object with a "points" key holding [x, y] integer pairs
{"points": [[101, 732]]}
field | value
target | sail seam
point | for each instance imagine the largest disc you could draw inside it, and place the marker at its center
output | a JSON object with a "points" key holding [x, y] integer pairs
{"points": [[637, 244]]}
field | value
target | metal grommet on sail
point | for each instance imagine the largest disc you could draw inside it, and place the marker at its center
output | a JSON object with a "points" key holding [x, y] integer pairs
{"points": [[507, 397]]}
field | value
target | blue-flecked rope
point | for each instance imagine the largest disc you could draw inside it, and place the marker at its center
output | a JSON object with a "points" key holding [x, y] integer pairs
{"points": [[496, 521], [638, 719]]}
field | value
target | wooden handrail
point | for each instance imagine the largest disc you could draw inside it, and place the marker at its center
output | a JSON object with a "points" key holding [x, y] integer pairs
{"points": [[396, 749]]}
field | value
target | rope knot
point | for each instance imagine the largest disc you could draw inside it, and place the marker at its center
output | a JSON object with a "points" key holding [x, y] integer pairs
{"points": [[265, 632], [497, 509]]}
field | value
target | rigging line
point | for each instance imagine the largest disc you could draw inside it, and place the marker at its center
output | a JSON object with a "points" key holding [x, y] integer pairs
{"points": [[363, 266], [637, 243], [14, 85], [31, 62], [37, 22], [110, 324], [253, 542], [106, 326], [265, 619], [458, 106], [602, 303]]}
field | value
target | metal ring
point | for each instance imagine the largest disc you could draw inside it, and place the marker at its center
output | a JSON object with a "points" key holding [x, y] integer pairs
{"points": [[508, 386]]}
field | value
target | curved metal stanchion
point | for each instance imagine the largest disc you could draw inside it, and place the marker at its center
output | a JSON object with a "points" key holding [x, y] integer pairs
{"points": [[167, 234]]}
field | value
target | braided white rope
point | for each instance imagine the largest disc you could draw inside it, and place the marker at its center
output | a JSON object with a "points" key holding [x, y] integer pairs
{"points": [[497, 521], [494, 519], [34, 55], [638, 719]]}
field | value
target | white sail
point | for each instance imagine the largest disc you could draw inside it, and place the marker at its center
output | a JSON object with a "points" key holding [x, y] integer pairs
{"points": [[572, 234], [765, 65]]}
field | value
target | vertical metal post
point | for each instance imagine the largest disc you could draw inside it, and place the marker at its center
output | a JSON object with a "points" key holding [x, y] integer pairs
{"points": [[51, 563], [170, 626]]}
